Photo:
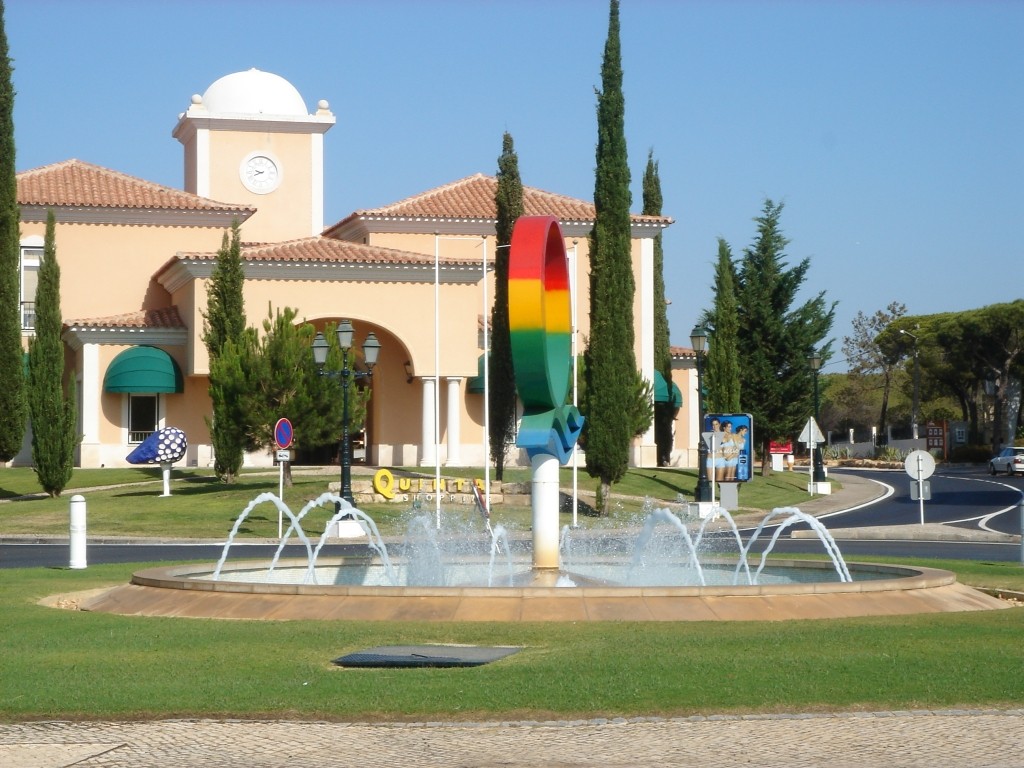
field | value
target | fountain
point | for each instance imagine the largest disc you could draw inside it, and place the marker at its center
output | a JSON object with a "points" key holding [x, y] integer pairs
{"points": [[427, 561], [675, 579], [657, 569]]}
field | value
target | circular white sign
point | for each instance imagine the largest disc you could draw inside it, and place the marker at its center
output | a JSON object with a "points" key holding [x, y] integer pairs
{"points": [[919, 465]]}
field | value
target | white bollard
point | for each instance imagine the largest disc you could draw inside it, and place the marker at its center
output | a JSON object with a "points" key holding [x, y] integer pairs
{"points": [[77, 532]]}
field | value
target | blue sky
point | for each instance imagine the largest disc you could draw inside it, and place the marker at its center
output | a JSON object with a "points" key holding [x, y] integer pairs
{"points": [[893, 131]]}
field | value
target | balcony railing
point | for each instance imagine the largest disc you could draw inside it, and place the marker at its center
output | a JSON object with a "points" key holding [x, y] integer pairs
{"points": [[139, 436], [28, 315]]}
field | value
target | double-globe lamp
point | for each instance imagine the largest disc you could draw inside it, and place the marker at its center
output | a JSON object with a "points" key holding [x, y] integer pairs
{"points": [[699, 342], [817, 464], [371, 349]]}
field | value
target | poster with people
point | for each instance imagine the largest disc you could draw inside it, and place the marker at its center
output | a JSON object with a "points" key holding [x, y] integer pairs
{"points": [[730, 453]]}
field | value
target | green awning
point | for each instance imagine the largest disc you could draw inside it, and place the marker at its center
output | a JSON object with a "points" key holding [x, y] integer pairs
{"points": [[661, 394], [143, 369], [476, 384]]}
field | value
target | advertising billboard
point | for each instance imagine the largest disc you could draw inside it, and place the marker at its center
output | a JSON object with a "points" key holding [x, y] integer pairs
{"points": [[730, 446]]}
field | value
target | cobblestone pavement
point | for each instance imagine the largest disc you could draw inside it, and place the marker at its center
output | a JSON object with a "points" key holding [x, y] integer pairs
{"points": [[941, 739]]}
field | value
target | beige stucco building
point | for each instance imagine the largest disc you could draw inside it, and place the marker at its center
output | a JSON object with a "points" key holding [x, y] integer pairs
{"points": [[136, 256]]}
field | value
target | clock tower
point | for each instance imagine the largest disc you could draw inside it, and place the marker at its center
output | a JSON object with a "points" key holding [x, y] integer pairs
{"points": [[250, 140]]}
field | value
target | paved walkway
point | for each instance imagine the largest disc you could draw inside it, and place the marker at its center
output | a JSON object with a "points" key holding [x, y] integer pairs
{"points": [[946, 739], [925, 739]]}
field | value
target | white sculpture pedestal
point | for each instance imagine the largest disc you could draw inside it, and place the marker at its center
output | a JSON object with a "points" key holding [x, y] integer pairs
{"points": [[345, 529], [165, 470]]}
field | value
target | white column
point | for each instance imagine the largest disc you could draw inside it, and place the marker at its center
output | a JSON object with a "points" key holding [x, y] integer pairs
{"points": [[648, 454], [91, 385], [647, 298], [454, 422], [544, 503], [428, 436], [89, 452], [694, 428]]}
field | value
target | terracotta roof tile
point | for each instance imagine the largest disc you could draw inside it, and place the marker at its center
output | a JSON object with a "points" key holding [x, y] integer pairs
{"points": [[166, 317], [473, 198], [80, 184], [326, 249]]}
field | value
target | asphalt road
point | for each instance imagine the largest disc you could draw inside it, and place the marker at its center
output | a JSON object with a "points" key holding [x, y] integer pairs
{"points": [[963, 498], [967, 498]]}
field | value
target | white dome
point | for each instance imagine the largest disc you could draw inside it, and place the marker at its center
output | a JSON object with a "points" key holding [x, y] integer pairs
{"points": [[253, 93]]}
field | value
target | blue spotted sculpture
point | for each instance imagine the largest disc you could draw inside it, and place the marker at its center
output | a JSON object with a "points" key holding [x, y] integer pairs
{"points": [[163, 447]]}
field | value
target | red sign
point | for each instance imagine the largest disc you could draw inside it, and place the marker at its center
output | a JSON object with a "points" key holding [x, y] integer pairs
{"points": [[936, 435], [774, 447]]}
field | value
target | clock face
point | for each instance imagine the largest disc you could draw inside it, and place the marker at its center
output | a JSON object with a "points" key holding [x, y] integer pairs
{"points": [[260, 174]]}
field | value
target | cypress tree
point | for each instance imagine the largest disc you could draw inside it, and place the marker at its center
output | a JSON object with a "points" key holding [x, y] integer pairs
{"points": [[225, 305], [13, 406], [611, 375], [225, 336], [775, 337], [722, 377], [228, 430], [664, 413], [54, 417], [501, 374]]}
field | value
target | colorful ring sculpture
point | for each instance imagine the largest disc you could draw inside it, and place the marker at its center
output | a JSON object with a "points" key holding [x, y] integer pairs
{"points": [[540, 325]]}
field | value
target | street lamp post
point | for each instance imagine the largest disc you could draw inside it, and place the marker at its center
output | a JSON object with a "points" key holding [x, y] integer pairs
{"points": [[371, 349], [817, 466], [917, 379], [699, 341]]}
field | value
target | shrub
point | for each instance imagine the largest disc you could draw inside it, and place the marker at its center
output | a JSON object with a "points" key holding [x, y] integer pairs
{"points": [[971, 454], [889, 453], [837, 453]]}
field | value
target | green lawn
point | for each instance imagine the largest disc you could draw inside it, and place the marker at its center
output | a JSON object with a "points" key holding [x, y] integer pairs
{"points": [[202, 507], [63, 664]]}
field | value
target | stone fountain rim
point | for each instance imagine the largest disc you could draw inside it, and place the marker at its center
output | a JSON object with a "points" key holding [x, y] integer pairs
{"points": [[183, 577]]}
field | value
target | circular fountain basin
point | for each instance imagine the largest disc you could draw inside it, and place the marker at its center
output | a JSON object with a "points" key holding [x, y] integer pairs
{"points": [[243, 592], [479, 572]]}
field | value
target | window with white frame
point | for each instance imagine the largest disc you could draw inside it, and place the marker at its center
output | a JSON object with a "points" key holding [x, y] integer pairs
{"points": [[30, 258], [143, 415]]}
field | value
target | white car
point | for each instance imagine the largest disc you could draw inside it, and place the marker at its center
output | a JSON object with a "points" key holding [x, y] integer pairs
{"points": [[1009, 460]]}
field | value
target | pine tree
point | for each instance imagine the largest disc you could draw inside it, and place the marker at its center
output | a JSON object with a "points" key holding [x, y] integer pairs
{"points": [[285, 383], [54, 417], [226, 342], [501, 374], [611, 374], [776, 338], [664, 413], [13, 405], [869, 359], [988, 342], [722, 376]]}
